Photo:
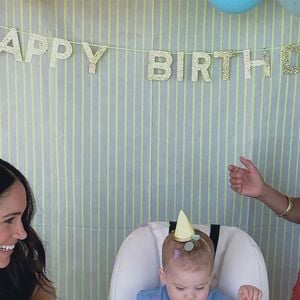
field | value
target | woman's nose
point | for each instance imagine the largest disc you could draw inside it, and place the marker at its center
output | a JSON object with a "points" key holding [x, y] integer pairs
{"points": [[20, 232]]}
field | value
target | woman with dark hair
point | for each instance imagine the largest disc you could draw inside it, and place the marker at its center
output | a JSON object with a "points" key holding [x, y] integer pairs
{"points": [[22, 255]]}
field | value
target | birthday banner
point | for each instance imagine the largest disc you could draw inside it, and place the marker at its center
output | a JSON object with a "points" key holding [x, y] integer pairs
{"points": [[159, 62]]}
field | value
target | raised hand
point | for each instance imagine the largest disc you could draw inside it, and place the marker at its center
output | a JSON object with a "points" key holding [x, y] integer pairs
{"points": [[246, 181]]}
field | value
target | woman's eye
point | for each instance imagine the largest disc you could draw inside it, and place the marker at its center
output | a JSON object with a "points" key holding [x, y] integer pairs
{"points": [[9, 221]]}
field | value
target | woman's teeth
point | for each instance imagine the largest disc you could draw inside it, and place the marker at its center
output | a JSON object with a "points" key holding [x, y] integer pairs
{"points": [[6, 247]]}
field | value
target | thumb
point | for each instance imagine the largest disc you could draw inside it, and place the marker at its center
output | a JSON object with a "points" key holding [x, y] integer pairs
{"points": [[247, 163]]}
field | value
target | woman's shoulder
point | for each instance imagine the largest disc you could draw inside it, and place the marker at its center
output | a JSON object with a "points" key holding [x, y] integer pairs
{"points": [[44, 293]]}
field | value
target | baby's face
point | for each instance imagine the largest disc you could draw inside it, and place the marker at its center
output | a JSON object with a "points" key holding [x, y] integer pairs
{"points": [[184, 284]]}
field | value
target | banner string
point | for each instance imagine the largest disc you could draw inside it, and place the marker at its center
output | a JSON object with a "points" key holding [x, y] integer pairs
{"points": [[141, 50]]}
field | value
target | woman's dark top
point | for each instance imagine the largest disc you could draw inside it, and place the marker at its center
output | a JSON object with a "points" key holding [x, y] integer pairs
{"points": [[19, 288]]}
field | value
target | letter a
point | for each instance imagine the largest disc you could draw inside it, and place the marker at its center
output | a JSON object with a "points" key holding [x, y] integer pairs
{"points": [[12, 36]]}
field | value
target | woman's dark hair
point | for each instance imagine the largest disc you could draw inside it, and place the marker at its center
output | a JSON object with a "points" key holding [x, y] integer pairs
{"points": [[26, 269]]}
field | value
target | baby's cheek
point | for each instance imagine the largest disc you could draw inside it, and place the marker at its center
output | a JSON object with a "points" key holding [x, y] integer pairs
{"points": [[202, 294]]}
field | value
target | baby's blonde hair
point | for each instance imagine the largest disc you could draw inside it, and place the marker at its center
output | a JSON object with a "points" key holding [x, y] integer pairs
{"points": [[202, 255]]}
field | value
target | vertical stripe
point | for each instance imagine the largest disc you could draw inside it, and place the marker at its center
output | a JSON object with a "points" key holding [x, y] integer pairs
{"points": [[184, 125], [135, 101], [8, 91], [33, 118], [100, 252], [236, 125], [125, 125], [167, 187], [142, 119], [158, 121], [52, 186], [91, 156], [116, 152], [42, 137], [227, 122], [201, 158], [74, 160], [209, 174], [56, 157], [82, 158], [193, 119], [254, 96], [65, 156], [218, 129], [16, 98], [245, 119], [150, 199], [176, 108], [109, 21]]}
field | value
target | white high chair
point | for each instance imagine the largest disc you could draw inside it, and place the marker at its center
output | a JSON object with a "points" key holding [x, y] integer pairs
{"points": [[238, 261]]}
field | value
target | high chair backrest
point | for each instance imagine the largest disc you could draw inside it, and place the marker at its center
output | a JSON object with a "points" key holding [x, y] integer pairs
{"points": [[238, 261]]}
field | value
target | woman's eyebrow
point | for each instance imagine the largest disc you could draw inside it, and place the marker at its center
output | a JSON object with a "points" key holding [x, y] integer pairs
{"points": [[17, 213]]}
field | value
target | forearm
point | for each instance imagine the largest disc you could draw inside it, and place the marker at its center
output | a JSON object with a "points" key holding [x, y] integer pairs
{"points": [[278, 203]]}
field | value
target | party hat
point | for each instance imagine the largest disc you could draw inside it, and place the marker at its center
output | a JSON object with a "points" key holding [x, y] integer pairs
{"points": [[184, 230]]}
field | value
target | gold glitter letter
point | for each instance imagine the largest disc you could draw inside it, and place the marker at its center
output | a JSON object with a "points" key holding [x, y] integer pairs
{"points": [[93, 59], [12, 36], [37, 51], [159, 65], [265, 62], [55, 55], [196, 67], [225, 55], [287, 69]]}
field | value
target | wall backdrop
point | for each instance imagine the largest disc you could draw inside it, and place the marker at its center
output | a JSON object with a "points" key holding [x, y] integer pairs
{"points": [[109, 151]]}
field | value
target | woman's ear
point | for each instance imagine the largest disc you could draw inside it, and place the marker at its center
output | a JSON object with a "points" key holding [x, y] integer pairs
{"points": [[162, 275]]}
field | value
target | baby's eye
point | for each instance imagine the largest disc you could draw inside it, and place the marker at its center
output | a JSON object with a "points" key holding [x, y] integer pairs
{"points": [[199, 288], [179, 288]]}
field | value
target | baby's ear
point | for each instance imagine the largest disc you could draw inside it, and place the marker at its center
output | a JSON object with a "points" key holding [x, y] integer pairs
{"points": [[162, 275]]}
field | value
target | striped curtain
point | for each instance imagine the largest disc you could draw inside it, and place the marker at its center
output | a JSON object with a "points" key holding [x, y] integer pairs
{"points": [[109, 151]]}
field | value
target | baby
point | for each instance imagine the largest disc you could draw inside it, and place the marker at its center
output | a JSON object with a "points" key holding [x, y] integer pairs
{"points": [[187, 268]]}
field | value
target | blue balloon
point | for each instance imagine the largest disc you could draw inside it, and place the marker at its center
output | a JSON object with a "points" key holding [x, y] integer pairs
{"points": [[292, 6], [235, 6]]}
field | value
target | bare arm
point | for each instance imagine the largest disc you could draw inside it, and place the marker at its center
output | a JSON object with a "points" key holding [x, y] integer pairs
{"points": [[249, 182], [278, 203]]}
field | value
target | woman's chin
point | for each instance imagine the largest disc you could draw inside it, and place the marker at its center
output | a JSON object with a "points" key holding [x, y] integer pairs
{"points": [[4, 261]]}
